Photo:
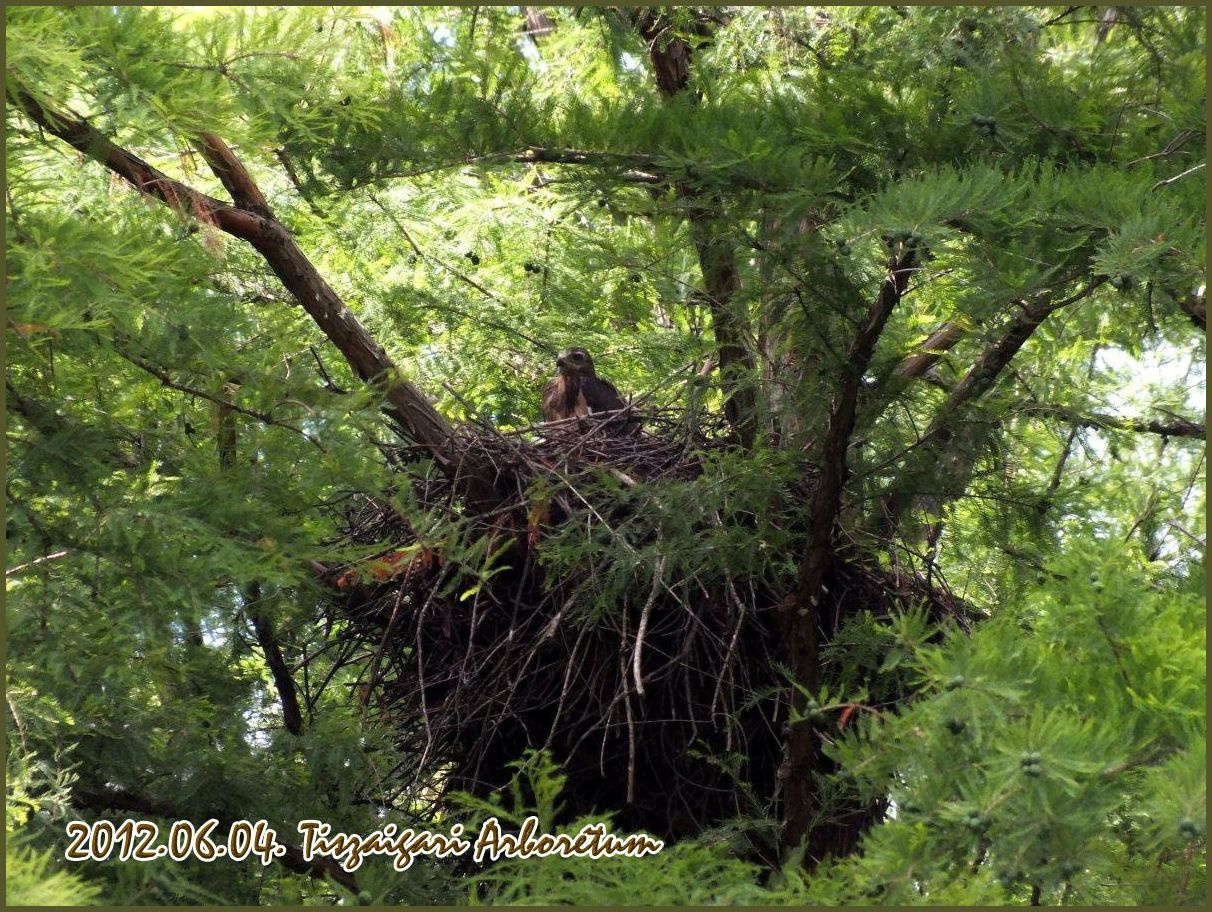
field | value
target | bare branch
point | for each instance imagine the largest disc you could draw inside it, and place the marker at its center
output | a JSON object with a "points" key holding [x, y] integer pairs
{"points": [[1177, 426], [993, 361], [1178, 177], [974, 384], [13, 571], [329, 383], [645, 615]]}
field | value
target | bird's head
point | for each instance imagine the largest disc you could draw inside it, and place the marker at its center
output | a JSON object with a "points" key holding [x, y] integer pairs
{"points": [[575, 362]]}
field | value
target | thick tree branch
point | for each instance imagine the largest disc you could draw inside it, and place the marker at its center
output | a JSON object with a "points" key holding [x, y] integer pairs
{"points": [[801, 613], [138, 173], [271, 647], [670, 54], [1194, 306], [984, 373], [974, 384], [235, 179], [921, 363], [928, 354], [722, 281], [406, 405]]}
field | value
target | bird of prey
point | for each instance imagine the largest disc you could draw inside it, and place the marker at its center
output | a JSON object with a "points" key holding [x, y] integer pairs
{"points": [[578, 390]]}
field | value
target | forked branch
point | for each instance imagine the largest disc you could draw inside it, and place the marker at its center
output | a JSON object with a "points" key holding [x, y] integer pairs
{"points": [[251, 220], [926, 454]]}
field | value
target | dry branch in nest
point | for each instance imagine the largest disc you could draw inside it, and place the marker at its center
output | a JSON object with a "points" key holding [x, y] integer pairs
{"points": [[652, 679]]}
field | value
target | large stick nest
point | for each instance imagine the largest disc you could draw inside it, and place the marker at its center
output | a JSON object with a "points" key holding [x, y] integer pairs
{"points": [[567, 620]]}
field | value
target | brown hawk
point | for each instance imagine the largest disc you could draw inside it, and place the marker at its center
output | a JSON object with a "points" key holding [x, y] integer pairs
{"points": [[578, 390]]}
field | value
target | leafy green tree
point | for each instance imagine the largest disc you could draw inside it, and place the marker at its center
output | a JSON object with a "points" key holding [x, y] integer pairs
{"points": [[934, 274]]}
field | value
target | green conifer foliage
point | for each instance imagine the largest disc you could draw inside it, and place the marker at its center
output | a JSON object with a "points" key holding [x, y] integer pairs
{"points": [[930, 279]]}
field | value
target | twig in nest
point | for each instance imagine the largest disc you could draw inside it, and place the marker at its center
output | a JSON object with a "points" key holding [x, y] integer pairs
{"points": [[626, 480], [736, 600], [373, 676], [630, 745], [564, 689], [657, 574], [554, 624]]}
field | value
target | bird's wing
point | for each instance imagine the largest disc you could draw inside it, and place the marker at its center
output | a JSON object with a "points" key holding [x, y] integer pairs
{"points": [[553, 400], [600, 395]]}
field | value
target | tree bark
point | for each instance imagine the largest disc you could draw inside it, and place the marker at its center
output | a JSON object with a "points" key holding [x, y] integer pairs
{"points": [[928, 451], [722, 281], [671, 55], [929, 353], [1194, 306], [801, 618]]}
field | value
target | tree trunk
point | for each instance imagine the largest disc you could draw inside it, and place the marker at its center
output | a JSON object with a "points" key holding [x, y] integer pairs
{"points": [[801, 613], [722, 281], [671, 56]]}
